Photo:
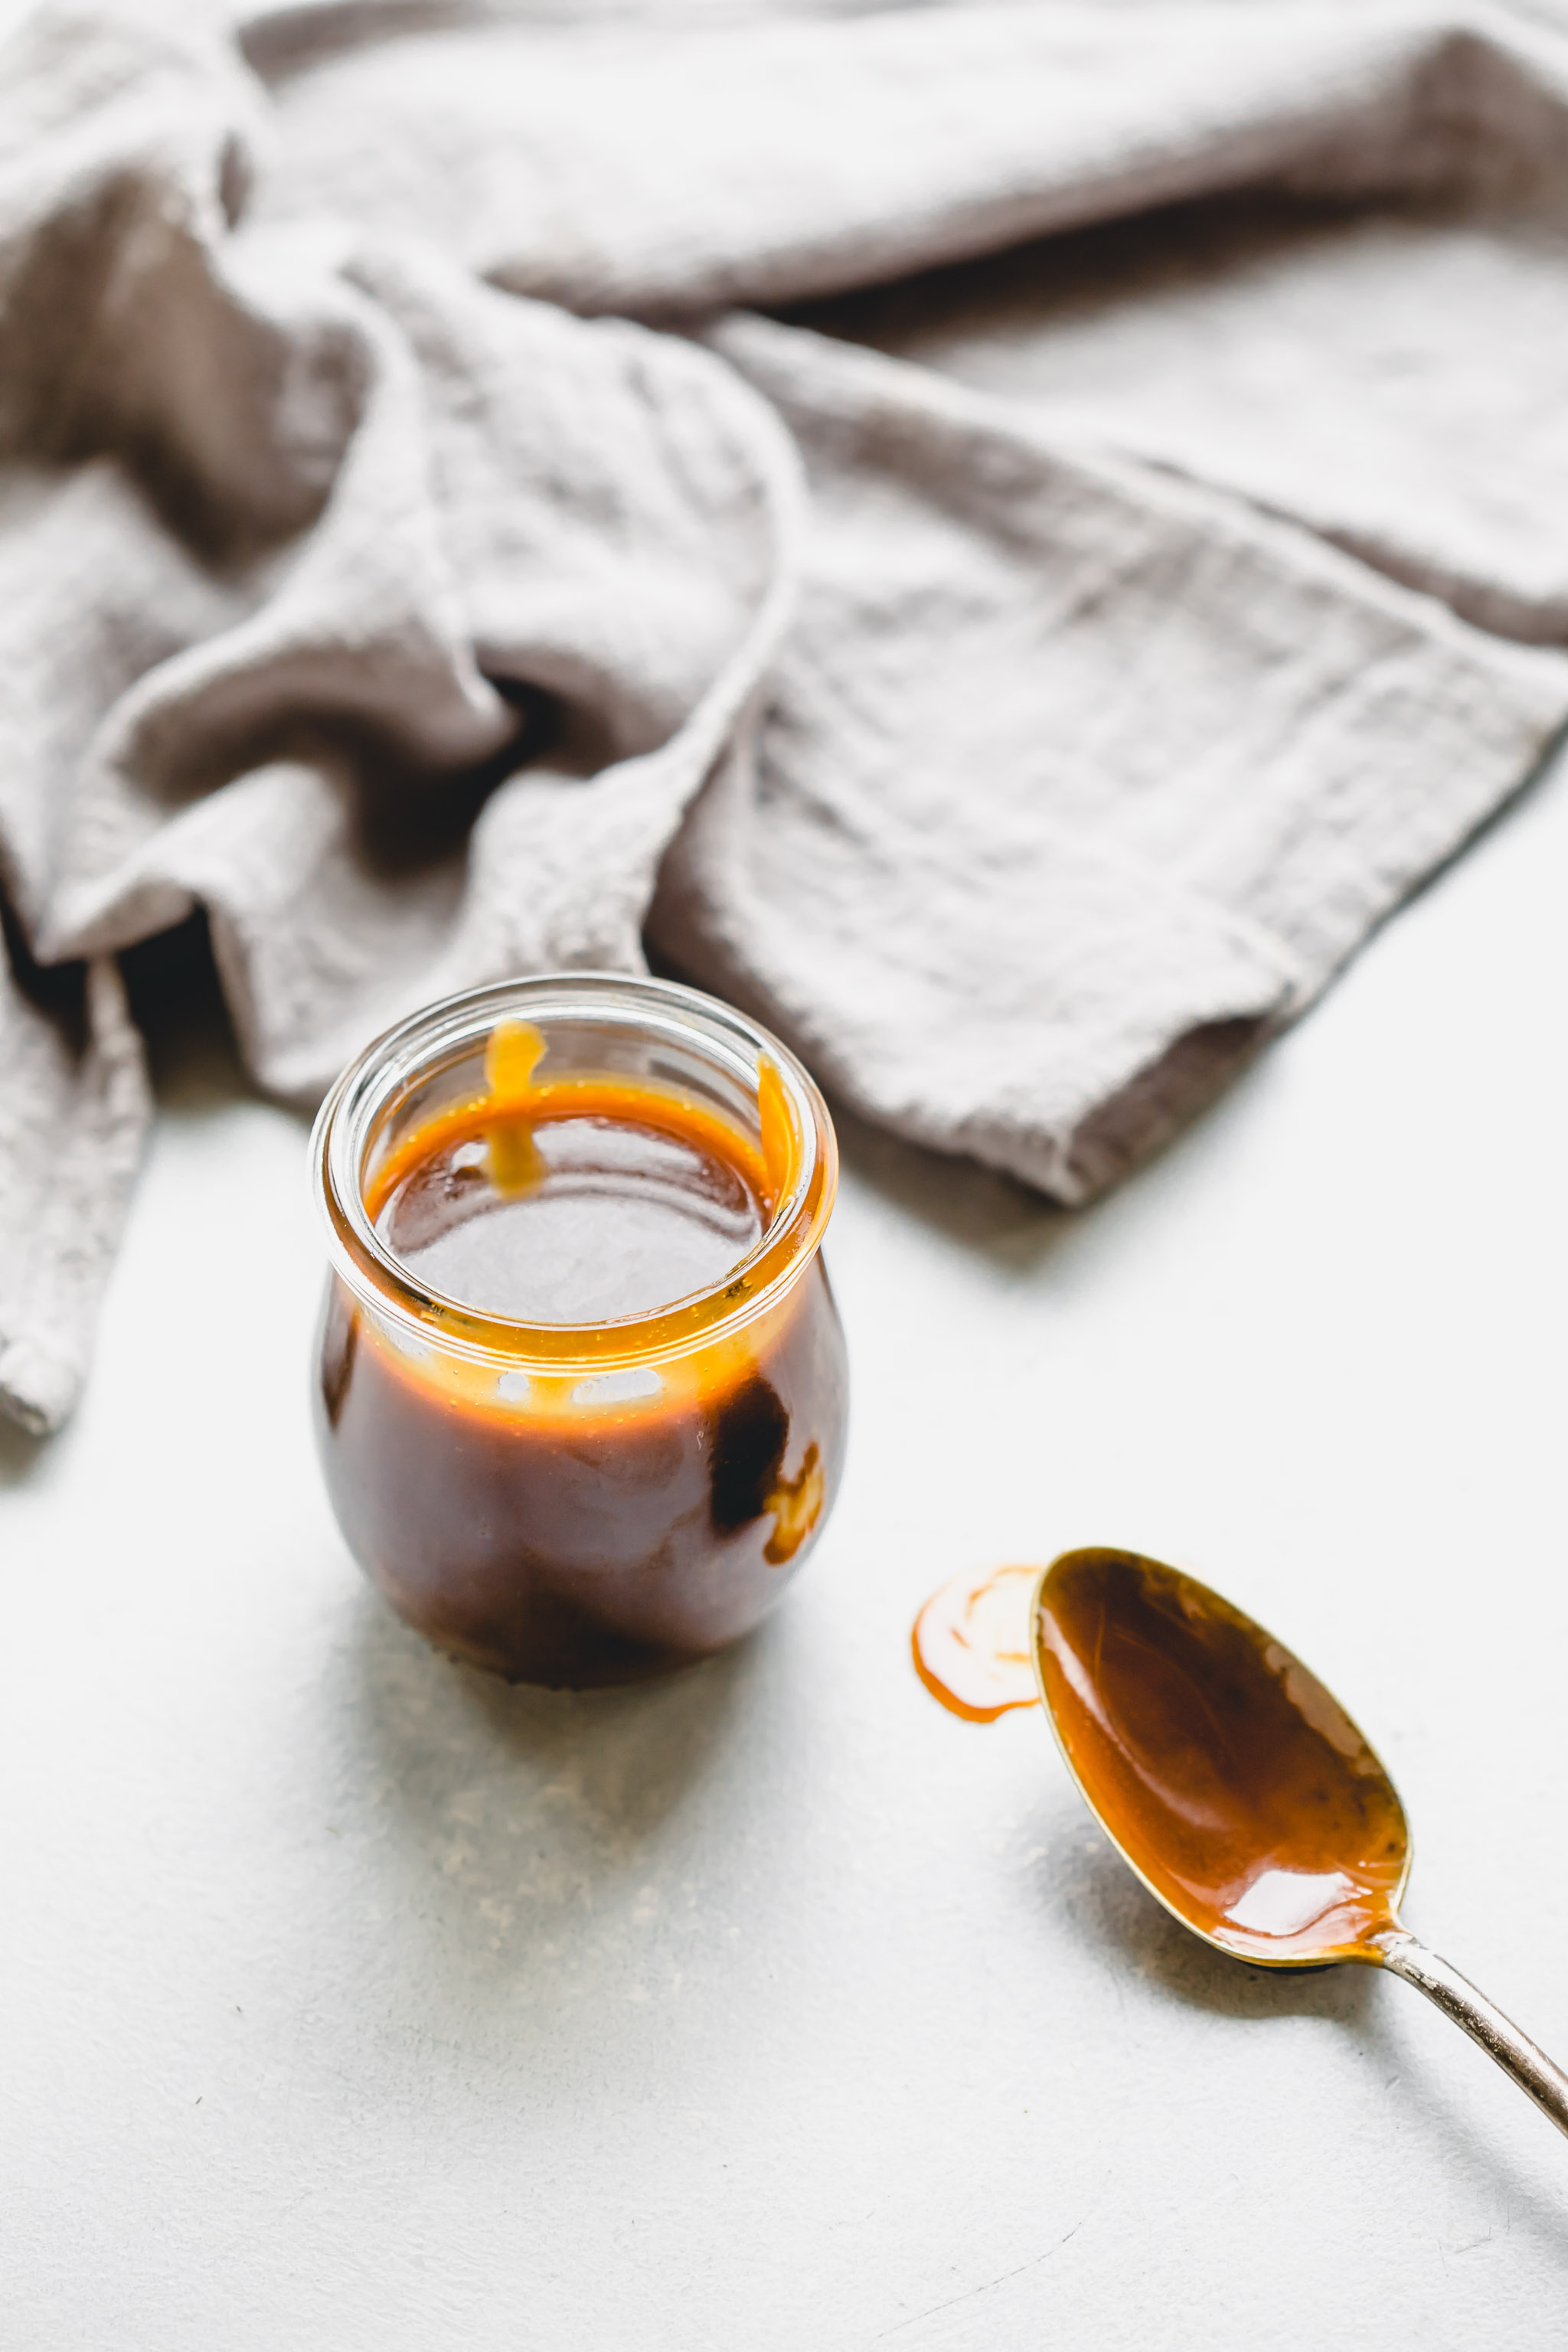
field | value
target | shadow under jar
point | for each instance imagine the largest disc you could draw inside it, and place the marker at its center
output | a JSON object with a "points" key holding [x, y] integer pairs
{"points": [[581, 1394]]}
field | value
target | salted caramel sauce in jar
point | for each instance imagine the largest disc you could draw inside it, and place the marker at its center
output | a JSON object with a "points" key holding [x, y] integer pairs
{"points": [[581, 1391]]}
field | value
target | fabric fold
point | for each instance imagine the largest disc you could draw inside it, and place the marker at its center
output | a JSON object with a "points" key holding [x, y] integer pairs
{"points": [[1064, 765], [73, 1108], [418, 553]]}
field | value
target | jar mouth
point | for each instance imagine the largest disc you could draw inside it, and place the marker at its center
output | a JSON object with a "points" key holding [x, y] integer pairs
{"points": [[358, 1113]]}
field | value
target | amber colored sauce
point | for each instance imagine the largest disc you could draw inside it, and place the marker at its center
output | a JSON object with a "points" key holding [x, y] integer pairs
{"points": [[1231, 1781], [608, 1209], [973, 1646], [573, 1531]]}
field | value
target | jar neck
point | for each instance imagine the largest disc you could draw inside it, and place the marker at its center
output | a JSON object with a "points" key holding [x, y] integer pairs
{"points": [[653, 1034]]}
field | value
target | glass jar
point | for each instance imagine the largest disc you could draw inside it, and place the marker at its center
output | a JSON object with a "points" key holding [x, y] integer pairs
{"points": [[581, 1502]]}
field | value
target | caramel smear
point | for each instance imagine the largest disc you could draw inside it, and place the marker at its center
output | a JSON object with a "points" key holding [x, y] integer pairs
{"points": [[781, 1151], [796, 1505], [513, 1054], [973, 1644]]}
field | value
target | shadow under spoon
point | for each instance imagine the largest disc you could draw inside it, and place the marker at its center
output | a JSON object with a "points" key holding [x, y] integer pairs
{"points": [[1239, 1789]]}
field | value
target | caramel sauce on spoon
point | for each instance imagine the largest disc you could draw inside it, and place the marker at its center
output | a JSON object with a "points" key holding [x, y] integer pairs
{"points": [[1223, 1772], [1234, 1784]]}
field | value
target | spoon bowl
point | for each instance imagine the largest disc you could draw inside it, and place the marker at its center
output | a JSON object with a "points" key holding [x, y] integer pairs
{"points": [[1232, 1781], [1236, 1787]]}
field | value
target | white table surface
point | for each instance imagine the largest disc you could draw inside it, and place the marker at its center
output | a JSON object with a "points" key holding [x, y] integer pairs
{"points": [[357, 2002]]}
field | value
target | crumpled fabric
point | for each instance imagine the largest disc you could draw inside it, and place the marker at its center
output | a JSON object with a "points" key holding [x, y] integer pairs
{"points": [[1003, 538]]}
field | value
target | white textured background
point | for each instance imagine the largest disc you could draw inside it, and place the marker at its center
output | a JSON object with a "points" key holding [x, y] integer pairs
{"points": [[356, 2002]]}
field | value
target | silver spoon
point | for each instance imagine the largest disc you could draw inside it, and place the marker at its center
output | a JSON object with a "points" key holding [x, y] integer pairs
{"points": [[1239, 1789]]}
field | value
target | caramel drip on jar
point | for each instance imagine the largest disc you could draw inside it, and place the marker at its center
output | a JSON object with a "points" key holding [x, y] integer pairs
{"points": [[513, 1053], [780, 1144]]}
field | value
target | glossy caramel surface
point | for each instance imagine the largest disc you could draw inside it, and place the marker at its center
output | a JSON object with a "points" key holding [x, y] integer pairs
{"points": [[1231, 1781], [617, 1216]]}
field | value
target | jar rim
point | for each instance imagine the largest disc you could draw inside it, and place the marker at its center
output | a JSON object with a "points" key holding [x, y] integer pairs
{"points": [[386, 1071]]}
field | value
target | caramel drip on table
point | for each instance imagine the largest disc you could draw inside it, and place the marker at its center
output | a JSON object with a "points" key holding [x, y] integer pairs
{"points": [[973, 1644]]}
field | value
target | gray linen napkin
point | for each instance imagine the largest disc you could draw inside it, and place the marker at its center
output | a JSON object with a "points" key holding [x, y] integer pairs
{"points": [[1023, 675]]}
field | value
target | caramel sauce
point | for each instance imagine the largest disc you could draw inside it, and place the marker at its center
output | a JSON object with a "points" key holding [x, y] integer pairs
{"points": [[602, 1205], [1234, 1784], [552, 1526], [974, 1645]]}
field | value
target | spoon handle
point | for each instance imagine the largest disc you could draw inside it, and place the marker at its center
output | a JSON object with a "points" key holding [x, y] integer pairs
{"points": [[1455, 1995]]}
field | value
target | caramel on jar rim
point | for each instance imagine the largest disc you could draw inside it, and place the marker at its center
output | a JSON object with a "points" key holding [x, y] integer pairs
{"points": [[516, 1102]]}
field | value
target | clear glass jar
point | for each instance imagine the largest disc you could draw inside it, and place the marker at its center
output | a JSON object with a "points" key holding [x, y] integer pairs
{"points": [[581, 1502]]}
